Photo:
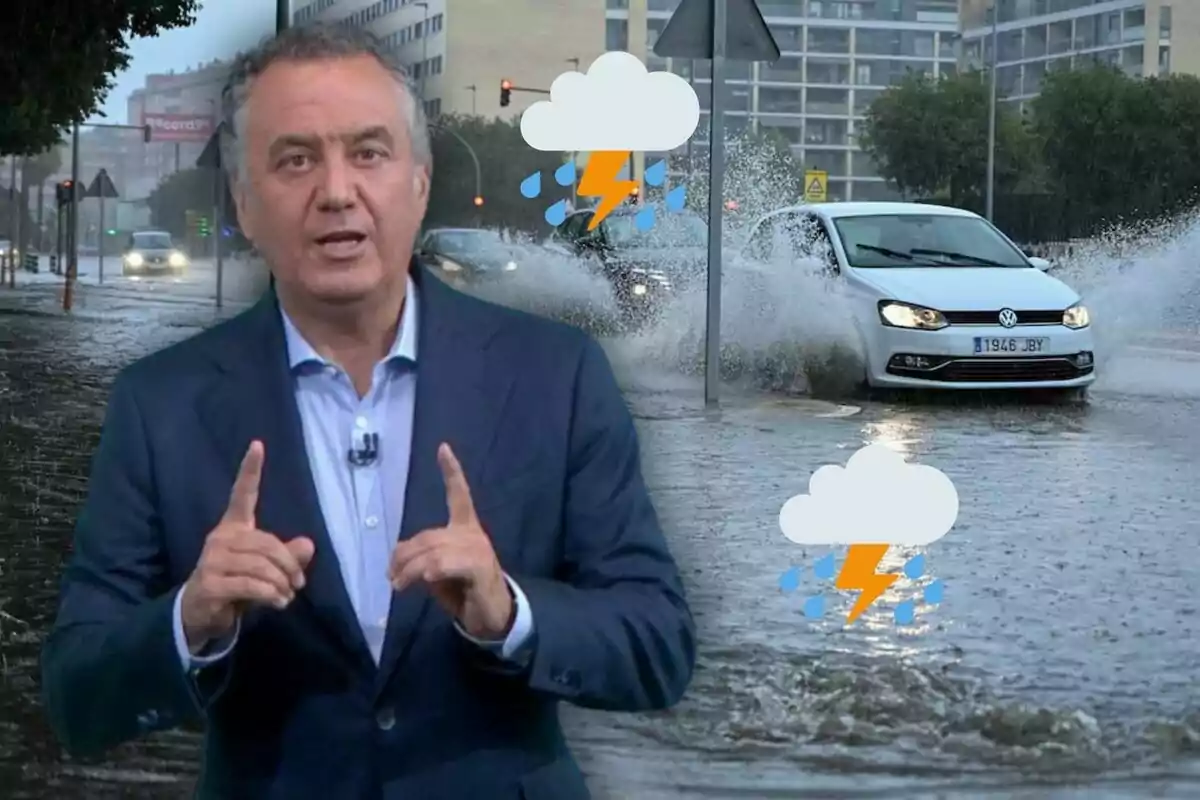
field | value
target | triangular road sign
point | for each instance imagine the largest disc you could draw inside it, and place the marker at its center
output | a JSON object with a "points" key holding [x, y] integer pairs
{"points": [[815, 187], [689, 32], [211, 157], [101, 186]]}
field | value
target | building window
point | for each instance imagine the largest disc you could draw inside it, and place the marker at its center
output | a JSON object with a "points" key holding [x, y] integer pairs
{"points": [[829, 71], [830, 161], [827, 101], [1164, 22], [773, 100], [616, 34], [828, 40]]}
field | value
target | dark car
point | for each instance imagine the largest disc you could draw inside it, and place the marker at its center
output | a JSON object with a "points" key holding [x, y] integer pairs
{"points": [[644, 267], [467, 256], [152, 253]]}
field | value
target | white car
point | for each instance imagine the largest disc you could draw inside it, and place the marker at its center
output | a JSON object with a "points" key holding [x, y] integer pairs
{"points": [[941, 298]]}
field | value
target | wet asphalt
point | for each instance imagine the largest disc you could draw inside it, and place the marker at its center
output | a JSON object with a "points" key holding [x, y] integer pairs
{"points": [[1061, 660]]}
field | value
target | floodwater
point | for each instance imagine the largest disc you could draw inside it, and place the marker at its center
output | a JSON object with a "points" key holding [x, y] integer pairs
{"points": [[1060, 662]]}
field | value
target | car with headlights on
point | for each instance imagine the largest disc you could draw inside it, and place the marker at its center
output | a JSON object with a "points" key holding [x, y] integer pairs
{"points": [[646, 266], [941, 298], [152, 253], [468, 256]]}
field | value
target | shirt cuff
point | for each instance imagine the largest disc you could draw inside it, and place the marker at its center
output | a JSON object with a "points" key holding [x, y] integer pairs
{"points": [[212, 652], [510, 649]]}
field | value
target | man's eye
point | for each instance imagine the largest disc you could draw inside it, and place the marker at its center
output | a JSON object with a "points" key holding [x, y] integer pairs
{"points": [[296, 161], [370, 155]]}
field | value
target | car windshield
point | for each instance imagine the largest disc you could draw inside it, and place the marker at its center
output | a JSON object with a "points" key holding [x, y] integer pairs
{"points": [[152, 241], [670, 230], [464, 242], [924, 240]]}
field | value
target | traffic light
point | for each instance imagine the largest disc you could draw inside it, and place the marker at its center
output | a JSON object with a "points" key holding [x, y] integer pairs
{"points": [[505, 92], [63, 192], [146, 134], [202, 226]]}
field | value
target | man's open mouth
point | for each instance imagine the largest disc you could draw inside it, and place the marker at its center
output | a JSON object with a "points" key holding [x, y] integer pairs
{"points": [[341, 237]]}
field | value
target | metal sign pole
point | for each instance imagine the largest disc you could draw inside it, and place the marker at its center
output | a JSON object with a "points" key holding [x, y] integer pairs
{"points": [[218, 230], [716, 191], [101, 276]]}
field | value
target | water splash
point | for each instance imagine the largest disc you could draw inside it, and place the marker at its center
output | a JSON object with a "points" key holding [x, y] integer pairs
{"points": [[565, 175], [531, 187], [556, 213], [656, 174]]}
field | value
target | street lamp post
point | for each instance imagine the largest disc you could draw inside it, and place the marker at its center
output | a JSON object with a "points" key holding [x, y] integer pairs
{"points": [[283, 13], [474, 90], [474, 158], [991, 148], [424, 50]]}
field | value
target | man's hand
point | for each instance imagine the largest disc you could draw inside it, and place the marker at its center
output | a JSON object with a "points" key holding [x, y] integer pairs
{"points": [[457, 562], [240, 564]]}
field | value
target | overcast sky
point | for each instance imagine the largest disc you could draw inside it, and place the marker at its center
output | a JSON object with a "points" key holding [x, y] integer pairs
{"points": [[222, 28]]}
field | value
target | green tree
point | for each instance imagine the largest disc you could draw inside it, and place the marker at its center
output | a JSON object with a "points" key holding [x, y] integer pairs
{"points": [[181, 192], [59, 58], [504, 161], [928, 136], [1116, 147]]}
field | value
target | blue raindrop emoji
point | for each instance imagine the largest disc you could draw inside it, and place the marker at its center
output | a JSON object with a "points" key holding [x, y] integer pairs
{"points": [[675, 199], [556, 213], [814, 607], [656, 173], [565, 175], [935, 592], [906, 612], [645, 219], [531, 187], [790, 580], [915, 567], [823, 568]]}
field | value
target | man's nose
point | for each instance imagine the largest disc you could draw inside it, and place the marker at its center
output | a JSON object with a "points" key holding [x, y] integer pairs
{"points": [[337, 191]]}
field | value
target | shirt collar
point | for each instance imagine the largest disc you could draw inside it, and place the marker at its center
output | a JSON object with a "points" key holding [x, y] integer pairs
{"points": [[404, 348]]}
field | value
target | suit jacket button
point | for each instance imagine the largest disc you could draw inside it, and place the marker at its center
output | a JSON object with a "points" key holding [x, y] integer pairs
{"points": [[385, 718]]}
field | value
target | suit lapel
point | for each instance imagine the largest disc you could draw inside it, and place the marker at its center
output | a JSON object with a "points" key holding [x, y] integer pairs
{"points": [[255, 399], [460, 397]]}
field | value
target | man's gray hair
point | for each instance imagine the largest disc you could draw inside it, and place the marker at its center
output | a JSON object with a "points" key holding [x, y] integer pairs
{"points": [[312, 42]]}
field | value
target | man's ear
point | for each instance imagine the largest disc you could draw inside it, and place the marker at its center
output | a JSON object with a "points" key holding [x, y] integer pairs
{"points": [[421, 184], [241, 202]]}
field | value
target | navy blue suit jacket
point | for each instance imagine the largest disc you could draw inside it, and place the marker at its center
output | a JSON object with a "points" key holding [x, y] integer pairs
{"points": [[300, 709]]}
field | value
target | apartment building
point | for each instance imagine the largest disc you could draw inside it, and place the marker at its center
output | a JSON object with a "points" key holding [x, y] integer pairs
{"points": [[458, 51], [837, 56], [1143, 37]]}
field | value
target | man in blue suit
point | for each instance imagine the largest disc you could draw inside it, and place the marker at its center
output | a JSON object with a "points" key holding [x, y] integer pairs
{"points": [[437, 528]]}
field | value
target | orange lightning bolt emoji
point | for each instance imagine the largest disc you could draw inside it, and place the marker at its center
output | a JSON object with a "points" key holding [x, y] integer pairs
{"points": [[860, 572], [599, 179]]}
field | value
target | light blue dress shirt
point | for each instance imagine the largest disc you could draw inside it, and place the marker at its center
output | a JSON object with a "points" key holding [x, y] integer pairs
{"points": [[363, 506]]}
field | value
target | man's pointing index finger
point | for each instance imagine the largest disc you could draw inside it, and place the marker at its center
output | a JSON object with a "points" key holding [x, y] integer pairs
{"points": [[458, 491], [243, 500]]}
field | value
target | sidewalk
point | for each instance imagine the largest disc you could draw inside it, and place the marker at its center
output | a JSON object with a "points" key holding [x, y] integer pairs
{"points": [[36, 296]]}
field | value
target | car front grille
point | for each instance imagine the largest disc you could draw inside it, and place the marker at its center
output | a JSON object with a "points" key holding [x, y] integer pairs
{"points": [[943, 369], [993, 317]]}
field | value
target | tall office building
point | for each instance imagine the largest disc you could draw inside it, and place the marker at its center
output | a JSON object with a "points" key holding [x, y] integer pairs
{"points": [[837, 56], [1143, 37], [458, 51]]}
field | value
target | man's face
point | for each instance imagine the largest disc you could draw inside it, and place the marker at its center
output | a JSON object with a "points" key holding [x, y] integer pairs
{"points": [[329, 190]]}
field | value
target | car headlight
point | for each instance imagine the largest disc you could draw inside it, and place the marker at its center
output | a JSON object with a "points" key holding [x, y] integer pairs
{"points": [[177, 259], [510, 266], [450, 266], [1077, 317], [639, 289], [904, 315], [134, 259]]}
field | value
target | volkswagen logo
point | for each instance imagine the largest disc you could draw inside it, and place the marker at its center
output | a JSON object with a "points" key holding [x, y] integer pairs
{"points": [[1008, 317]]}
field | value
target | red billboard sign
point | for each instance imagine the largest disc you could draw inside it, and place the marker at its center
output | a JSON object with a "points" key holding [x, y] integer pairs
{"points": [[178, 127]]}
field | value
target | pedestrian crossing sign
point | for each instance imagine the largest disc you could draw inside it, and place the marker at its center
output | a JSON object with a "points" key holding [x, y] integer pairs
{"points": [[816, 185]]}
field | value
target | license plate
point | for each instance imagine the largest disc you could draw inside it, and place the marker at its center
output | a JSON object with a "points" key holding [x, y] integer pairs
{"points": [[1018, 346]]}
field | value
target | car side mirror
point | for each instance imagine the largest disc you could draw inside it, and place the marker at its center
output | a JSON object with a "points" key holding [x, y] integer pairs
{"points": [[1037, 262]]}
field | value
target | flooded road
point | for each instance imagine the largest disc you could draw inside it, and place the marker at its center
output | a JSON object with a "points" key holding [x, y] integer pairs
{"points": [[1061, 661]]}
